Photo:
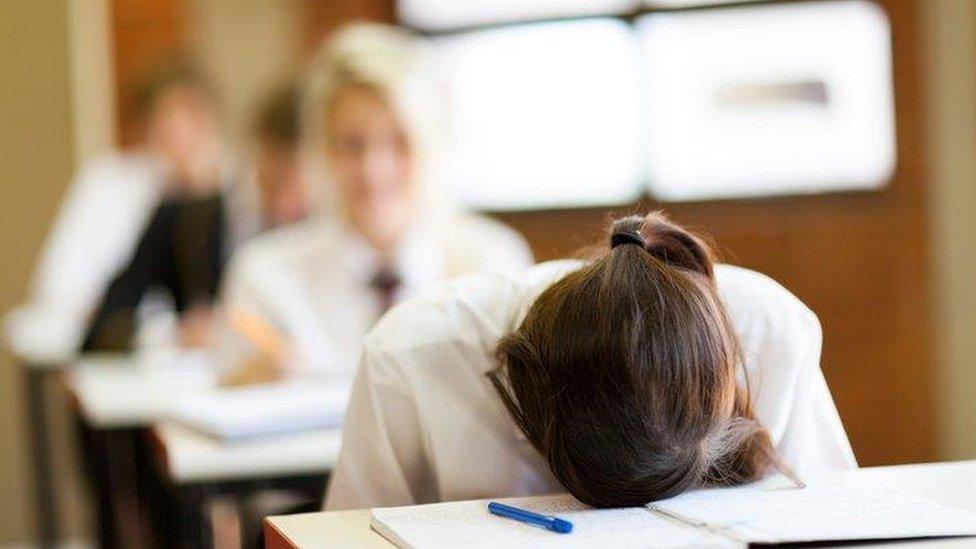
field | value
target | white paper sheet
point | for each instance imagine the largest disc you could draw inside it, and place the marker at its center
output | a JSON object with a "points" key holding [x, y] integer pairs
{"points": [[264, 410], [469, 524], [827, 512]]}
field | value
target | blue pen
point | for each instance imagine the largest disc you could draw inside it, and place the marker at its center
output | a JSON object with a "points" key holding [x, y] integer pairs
{"points": [[521, 515]]}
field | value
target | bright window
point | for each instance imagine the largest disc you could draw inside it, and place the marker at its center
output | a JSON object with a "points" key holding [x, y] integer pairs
{"points": [[718, 102], [448, 14], [544, 115], [687, 3], [768, 100]]}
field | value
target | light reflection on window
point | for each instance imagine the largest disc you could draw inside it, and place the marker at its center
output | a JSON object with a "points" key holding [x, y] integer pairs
{"points": [[544, 115]]}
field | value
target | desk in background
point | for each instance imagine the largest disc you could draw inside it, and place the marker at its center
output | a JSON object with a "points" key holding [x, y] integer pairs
{"points": [[138, 457], [195, 468], [116, 399], [948, 483]]}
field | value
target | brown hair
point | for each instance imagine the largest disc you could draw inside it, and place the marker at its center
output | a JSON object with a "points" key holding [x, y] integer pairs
{"points": [[623, 374], [164, 75], [277, 119]]}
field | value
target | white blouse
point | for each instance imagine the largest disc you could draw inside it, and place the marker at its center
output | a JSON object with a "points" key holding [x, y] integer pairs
{"points": [[311, 283], [424, 423]]}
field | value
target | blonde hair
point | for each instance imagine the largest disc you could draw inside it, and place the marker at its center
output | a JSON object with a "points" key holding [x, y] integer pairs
{"points": [[394, 64]]}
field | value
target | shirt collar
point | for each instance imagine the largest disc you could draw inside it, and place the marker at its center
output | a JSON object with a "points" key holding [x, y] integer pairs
{"points": [[418, 260]]}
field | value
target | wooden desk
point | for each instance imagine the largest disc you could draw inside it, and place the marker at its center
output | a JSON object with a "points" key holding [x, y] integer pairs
{"points": [[188, 456], [339, 529], [172, 472], [949, 483], [193, 469], [119, 392], [117, 397]]}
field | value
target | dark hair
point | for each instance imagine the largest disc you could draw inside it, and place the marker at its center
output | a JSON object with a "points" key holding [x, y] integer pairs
{"points": [[278, 116], [623, 374], [163, 76]]}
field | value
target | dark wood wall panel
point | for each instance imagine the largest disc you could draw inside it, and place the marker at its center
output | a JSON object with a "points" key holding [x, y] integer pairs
{"points": [[143, 32]]}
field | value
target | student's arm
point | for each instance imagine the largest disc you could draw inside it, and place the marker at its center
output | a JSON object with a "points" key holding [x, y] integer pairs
{"points": [[242, 360], [113, 325], [813, 440], [810, 436], [382, 462], [781, 342]]}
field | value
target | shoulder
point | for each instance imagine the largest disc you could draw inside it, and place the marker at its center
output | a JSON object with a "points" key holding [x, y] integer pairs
{"points": [[767, 316], [471, 313], [120, 166], [116, 174], [283, 246], [488, 245], [750, 293]]}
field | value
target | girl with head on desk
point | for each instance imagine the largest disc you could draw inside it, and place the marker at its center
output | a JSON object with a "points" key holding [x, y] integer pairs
{"points": [[300, 300], [624, 379]]}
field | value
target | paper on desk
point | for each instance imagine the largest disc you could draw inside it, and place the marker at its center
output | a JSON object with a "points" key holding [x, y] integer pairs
{"points": [[468, 524], [264, 410], [117, 391], [827, 512]]}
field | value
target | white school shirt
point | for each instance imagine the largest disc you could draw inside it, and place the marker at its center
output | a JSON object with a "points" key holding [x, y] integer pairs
{"points": [[311, 283], [425, 424]]}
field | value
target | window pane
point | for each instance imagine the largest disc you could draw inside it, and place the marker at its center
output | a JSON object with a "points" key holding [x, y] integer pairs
{"points": [[687, 3], [768, 100], [444, 14], [544, 115]]}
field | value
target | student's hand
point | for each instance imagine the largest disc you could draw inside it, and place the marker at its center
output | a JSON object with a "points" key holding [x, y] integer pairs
{"points": [[271, 351], [260, 368], [196, 326]]}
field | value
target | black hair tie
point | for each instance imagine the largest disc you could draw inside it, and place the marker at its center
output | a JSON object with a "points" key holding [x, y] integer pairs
{"points": [[620, 238]]}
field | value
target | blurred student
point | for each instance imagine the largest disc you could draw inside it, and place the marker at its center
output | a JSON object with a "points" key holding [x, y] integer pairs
{"points": [[622, 380], [109, 205], [301, 299], [206, 213], [281, 181], [179, 249]]}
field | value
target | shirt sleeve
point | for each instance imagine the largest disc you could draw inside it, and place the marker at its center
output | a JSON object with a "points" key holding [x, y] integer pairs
{"points": [[781, 343], [382, 462], [807, 430], [814, 441], [240, 291]]}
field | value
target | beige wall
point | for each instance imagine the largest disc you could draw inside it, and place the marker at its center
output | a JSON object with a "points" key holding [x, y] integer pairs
{"points": [[36, 159], [56, 111], [247, 46], [93, 85], [950, 31]]}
